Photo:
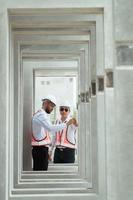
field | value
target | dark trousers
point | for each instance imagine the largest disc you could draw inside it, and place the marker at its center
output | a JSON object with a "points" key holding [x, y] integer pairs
{"points": [[64, 155], [40, 158]]}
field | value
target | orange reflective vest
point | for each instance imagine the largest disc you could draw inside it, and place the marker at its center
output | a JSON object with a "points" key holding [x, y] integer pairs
{"points": [[42, 133], [66, 137], [46, 140]]}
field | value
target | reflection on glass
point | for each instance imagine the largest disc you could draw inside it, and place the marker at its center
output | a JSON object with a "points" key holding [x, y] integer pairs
{"points": [[65, 90]]}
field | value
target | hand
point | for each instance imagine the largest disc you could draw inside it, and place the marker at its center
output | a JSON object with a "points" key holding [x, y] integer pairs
{"points": [[72, 121], [75, 122], [50, 156], [69, 122]]}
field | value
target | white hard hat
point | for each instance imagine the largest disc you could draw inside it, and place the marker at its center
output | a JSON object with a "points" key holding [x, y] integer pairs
{"points": [[50, 98], [65, 104]]}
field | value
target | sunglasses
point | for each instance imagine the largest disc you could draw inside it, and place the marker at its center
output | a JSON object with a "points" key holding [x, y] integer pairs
{"points": [[64, 109]]}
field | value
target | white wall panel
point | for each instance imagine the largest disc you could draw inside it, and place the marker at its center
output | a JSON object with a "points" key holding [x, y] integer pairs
{"points": [[9, 191], [124, 122]]}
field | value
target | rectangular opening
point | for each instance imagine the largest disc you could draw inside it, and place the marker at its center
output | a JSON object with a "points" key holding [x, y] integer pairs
{"points": [[100, 80], [93, 88], [109, 79], [29, 47]]}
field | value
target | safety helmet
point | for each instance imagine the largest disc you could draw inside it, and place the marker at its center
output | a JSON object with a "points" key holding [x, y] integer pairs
{"points": [[50, 98], [65, 104]]}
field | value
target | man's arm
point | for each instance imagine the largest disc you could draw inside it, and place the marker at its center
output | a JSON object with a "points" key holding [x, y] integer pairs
{"points": [[45, 122]]}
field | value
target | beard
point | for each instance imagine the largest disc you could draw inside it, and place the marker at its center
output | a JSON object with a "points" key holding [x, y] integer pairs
{"points": [[47, 111]]}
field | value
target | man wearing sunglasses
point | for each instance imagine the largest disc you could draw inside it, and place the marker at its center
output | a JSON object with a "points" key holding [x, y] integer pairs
{"points": [[41, 126], [65, 140]]}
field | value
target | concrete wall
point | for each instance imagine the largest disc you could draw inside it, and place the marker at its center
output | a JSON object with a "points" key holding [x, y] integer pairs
{"points": [[123, 14], [119, 145]]}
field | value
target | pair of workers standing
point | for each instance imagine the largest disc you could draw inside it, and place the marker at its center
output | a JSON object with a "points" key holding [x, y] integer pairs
{"points": [[64, 135]]}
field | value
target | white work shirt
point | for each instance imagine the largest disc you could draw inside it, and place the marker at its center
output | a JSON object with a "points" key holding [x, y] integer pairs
{"points": [[41, 124]]}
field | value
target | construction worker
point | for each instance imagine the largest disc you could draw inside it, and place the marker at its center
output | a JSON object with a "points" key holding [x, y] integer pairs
{"points": [[41, 126], [65, 140]]}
